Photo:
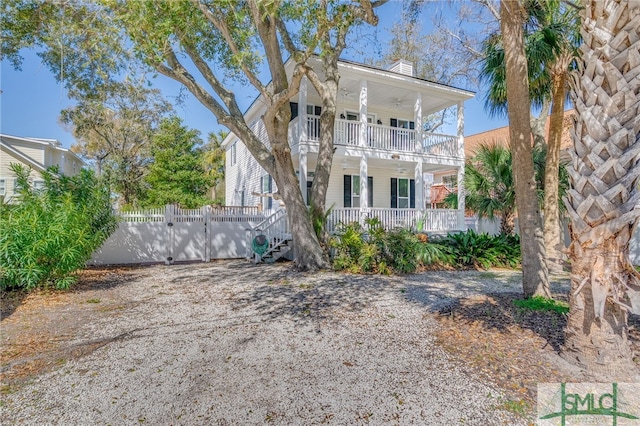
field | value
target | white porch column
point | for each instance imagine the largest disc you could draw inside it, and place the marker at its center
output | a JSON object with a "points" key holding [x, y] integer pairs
{"points": [[461, 129], [418, 120], [364, 190], [362, 137], [302, 172], [419, 178], [461, 206], [302, 112]]}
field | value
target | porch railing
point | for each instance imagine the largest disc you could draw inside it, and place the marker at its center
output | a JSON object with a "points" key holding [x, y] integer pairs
{"points": [[429, 220], [347, 133]]}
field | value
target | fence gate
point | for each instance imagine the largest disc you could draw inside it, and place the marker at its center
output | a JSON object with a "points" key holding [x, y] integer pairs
{"points": [[172, 234]]}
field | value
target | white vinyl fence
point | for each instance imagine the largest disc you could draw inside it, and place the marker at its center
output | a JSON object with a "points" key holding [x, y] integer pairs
{"points": [[172, 234]]}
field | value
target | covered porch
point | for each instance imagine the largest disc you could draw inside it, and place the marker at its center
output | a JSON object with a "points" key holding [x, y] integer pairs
{"points": [[394, 188]]}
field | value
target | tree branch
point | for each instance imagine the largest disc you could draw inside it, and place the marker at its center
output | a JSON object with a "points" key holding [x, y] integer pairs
{"points": [[224, 30]]}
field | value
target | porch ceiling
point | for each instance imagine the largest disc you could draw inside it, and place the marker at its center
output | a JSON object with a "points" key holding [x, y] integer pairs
{"points": [[400, 167], [388, 97]]}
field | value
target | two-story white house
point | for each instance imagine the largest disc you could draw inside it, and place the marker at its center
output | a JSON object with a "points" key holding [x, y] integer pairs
{"points": [[39, 154], [383, 155]]}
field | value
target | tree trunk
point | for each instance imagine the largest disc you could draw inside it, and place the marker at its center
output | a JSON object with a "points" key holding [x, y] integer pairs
{"points": [[552, 243], [308, 253], [597, 342], [329, 93], [605, 173], [535, 279], [507, 225], [538, 123]]}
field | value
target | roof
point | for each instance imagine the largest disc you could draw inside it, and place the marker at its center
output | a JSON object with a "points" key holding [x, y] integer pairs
{"points": [[501, 135], [5, 140]]}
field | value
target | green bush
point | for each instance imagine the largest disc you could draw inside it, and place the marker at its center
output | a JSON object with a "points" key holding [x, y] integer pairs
{"points": [[470, 249], [49, 234], [401, 251], [375, 251]]}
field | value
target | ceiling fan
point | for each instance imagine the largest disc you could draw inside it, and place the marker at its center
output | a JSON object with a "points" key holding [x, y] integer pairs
{"points": [[400, 103], [345, 94]]}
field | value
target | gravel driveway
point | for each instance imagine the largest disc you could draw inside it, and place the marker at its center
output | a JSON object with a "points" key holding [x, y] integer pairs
{"points": [[232, 343]]}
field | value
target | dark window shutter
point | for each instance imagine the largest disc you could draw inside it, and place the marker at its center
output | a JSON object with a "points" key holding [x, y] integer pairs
{"points": [[412, 125], [370, 190], [393, 122], [294, 109], [318, 111], [347, 190], [394, 193], [412, 193], [309, 183], [270, 191]]}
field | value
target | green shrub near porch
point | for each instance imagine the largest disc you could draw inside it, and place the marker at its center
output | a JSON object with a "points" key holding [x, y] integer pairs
{"points": [[50, 233], [360, 250]]}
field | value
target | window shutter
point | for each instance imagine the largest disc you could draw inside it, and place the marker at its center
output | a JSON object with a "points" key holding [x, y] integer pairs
{"points": [[318, 111], [347, 190], [412, 193], [270, 203], [394, 193], [370, 190], [393, 122], [309, 184], [294, 109], [412, 125]]}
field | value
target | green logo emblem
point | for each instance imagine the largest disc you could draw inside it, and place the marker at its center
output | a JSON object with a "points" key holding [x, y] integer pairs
{"points": [[588, 401]]}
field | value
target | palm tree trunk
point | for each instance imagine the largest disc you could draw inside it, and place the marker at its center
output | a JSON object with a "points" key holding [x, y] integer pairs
{"points": [[605, 173], [552, 243], [535, 279]]}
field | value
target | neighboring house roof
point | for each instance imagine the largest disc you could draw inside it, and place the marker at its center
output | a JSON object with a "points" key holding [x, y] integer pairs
{"points": [[501, 135], [6, 144]]}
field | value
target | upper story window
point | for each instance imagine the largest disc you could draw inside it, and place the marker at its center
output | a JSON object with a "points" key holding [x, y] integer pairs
{"points": [[233, 154]]}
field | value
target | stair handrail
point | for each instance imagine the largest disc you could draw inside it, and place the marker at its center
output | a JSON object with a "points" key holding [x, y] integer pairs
{"points": [[274, 225]]}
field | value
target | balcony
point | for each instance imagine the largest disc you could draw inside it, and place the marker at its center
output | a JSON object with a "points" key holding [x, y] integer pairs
{"points": [[347, 133]]}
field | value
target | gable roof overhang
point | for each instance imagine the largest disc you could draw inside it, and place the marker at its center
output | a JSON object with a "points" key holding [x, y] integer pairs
{"points": [[44, 143]]}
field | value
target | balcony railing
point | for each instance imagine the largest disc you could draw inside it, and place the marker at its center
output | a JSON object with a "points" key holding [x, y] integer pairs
{"points": [[347, 133]]}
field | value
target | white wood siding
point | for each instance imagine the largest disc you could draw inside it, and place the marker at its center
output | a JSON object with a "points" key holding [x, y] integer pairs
{"points": [[246, 173]]}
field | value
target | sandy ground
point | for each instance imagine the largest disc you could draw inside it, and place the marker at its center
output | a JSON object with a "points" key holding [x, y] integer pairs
{"points": [[232, 343]]}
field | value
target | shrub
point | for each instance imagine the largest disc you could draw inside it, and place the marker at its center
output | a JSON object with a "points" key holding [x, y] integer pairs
{"points": [[470, 249], [51, 233]]}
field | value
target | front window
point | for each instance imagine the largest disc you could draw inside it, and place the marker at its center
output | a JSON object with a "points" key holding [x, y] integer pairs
{"points": [[233, 154], [38, 185]]}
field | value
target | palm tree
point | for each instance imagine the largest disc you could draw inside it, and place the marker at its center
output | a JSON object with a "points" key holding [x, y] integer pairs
{"points": [[535, 277], [605, 173], [551, 39], [489, 187], [489, 184]]}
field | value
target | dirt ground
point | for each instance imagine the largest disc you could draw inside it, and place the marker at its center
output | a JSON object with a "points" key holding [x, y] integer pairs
{"points": [[485, 334]]}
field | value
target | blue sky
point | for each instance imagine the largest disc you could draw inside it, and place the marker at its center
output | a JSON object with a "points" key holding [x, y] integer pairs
{"points": [[31, 99]]}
